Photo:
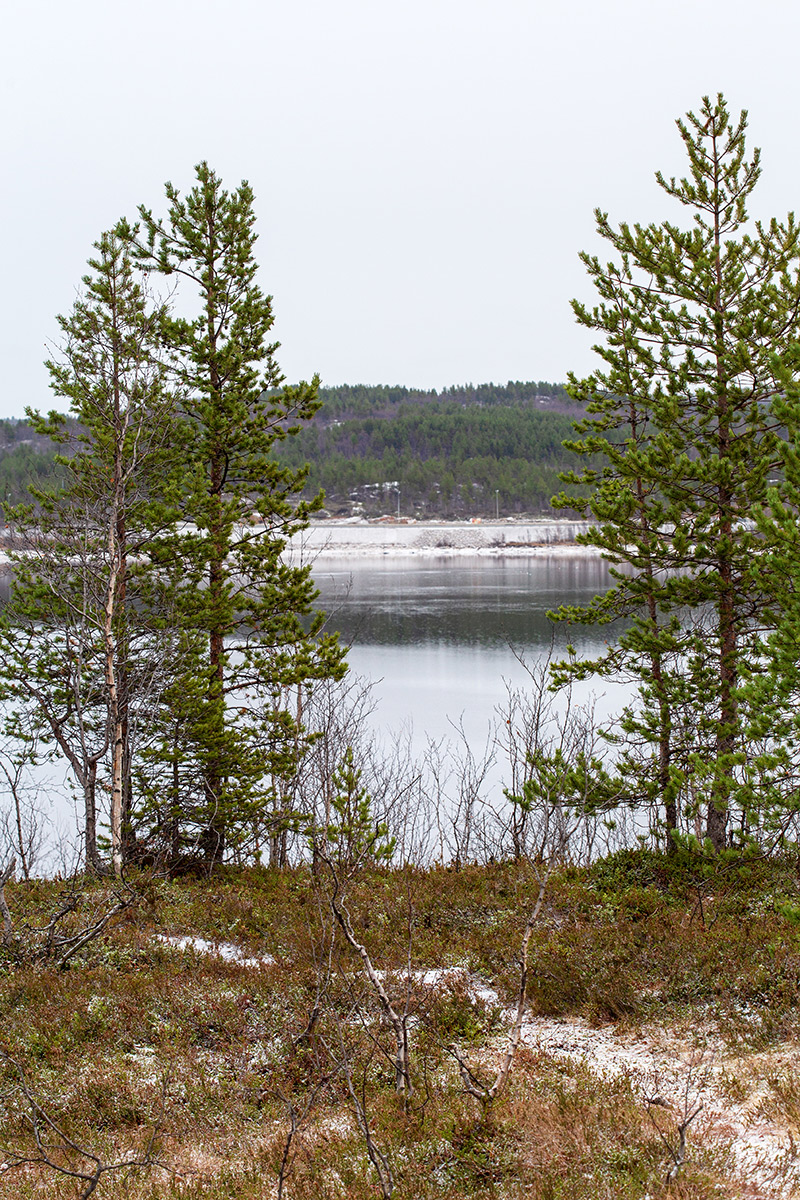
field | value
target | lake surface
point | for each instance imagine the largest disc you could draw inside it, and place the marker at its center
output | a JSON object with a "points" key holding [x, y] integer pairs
{"points": [[440, 638]]}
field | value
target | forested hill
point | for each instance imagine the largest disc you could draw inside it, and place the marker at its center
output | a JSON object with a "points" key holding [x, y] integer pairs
{"points": [[361, 400], [26, 457], [463, 451]]}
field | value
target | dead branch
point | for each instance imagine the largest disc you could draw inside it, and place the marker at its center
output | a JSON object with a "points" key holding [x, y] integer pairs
{"points": [[54, 1147], [690, 1109], [398, 1021], [472, 1085], [678, 1155], [54, 942]]}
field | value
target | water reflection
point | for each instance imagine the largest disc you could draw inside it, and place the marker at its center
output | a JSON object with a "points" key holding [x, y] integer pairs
{"points": [[473, 602], [441, 639]]}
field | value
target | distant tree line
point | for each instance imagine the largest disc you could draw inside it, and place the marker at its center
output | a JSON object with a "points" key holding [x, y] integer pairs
{"points": [[465, 451], [26, 458], [364, 400]]}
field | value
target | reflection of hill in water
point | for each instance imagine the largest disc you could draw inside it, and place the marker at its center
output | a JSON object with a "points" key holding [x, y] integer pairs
{"points": [[472, 602], [478, 602]]}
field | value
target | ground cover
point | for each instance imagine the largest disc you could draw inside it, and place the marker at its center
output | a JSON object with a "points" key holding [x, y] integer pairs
{"points": [[222, 1031]]}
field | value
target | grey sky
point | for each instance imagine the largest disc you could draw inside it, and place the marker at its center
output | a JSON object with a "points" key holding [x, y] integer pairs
{"points": [[425, 171]]}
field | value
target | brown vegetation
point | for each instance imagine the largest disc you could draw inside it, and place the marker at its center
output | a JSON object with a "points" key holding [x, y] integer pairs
{"points": [[274, 1074]]}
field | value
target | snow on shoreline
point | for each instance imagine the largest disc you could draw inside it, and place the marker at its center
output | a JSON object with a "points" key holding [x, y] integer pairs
{"points": [[432, 539], [362, 539]]}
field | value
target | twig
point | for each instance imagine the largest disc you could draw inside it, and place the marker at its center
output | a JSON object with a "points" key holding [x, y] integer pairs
{"points": [[472, 1085], [403, 1085], [690, 1111], [43, 1126], [379, 1160], [522, 1001]]}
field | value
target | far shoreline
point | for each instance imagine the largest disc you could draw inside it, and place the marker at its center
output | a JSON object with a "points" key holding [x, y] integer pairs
{"points": [[392, 538], [384, 537]]}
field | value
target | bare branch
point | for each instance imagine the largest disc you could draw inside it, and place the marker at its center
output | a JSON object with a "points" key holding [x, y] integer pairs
{"points": [[398, 1022], [8, 926], [54, 1147]]}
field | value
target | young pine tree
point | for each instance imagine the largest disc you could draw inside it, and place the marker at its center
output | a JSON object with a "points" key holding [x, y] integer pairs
{"points": [[82, 649]]}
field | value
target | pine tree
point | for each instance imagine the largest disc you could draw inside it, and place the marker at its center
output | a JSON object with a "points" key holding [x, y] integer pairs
{"points": [[80, 647], [253, 609], [772, 684], [694, 321], [353, 838]]}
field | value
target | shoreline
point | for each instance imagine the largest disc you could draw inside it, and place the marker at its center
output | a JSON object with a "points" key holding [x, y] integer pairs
{"points": [[384, 538], [443, 539]]}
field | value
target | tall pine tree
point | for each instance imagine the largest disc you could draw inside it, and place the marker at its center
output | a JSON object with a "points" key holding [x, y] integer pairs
{"points": [[694, 320], [253, 609], [82, 641]]}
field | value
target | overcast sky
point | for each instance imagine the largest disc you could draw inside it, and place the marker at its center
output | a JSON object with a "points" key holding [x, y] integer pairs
{"points": [[425, 171]]}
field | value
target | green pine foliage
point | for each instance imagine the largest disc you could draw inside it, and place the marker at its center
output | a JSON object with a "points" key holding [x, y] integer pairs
{"points": [[694, 321], [353, 839], [156, 638], [24, 464], [461, 452], [770, 687], [79, 641], [237, 742]]}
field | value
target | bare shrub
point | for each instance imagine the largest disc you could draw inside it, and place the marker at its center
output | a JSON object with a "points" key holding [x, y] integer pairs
{"points": [[559, 790], [74, 922]]}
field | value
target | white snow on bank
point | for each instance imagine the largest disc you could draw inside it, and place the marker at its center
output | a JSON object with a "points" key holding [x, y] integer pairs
{"points": [[429, 539], [224, 950], [657, 1063], [331, 539]]}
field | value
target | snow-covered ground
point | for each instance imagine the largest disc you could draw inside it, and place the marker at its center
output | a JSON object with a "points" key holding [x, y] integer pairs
{"points": [[693, 1068], [700, 1071], [225, 950]]}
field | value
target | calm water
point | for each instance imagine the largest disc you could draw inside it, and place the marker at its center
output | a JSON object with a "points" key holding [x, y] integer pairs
{"points": [[440, 637]]}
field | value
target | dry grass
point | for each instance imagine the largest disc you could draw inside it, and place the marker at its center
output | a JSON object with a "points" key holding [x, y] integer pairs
{"points": [[138, 1036]]}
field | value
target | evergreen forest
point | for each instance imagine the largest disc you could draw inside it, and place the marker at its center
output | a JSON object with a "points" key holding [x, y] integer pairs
{"points": [[461, 452]]}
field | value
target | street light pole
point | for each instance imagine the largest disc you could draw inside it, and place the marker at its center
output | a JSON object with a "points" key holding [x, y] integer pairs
{"points": [[497, 502]]}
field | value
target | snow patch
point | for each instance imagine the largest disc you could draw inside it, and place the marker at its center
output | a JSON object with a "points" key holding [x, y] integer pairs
{"points": [[657, 1061], [225, 950]]}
